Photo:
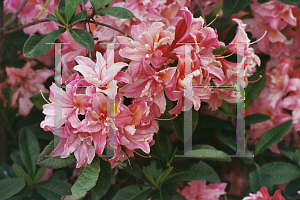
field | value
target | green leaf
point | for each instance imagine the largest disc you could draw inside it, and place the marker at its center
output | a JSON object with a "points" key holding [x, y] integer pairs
{"points": [[148, 175], [290, 154], [10, 187], [83, 38], [292, 188], [298, 155], [195, 174], [59, 17], [47, 161], [16, 157], [29, 150], [38, 100], [70, 9], [53, 189], [178, 123], [257, 179], [291, 2], [80, 16], [133, 192], [281, 172], [136, 171], [84, 1], [178, 196], [86, 180], [118, 12], [209, 154], [105, 179], [96, 4], [52, 18], [228, 139], [161, 195], [19, 171], [36, 46], [105, 2], [40, 173], [272, 136], [253, 90], [61, 8], [256, 118], [234, 6], [164, 142], [220, 51], [164, 175]]}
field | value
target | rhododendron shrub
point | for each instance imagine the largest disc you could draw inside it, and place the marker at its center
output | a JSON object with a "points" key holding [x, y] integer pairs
{"points": [[144, 99]]}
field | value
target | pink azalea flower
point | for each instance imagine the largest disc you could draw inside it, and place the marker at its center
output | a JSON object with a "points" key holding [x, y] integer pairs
{"points": [[30, 12], [272, 17], [152, 44], [198, 190], [263, 194], [24, 83]]}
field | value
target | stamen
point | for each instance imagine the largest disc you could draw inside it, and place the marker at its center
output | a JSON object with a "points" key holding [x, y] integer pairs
{"points": [[217, 15], [203, 90], [229, 54], [142, 155], [260, 76], [44, 97], [132, 44], [259, 38], [167, 119]]}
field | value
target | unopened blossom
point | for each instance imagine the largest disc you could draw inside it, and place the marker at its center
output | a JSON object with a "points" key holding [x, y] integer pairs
{"points": [[25, 82], [198, 190]]}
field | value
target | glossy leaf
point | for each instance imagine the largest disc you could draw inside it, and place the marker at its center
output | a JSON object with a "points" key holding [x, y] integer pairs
{"points": [[86, 180], [47, 161], [10, 187], [59, 16], [80, 16], [179, 123], [209, 154], [234, 6], [281, 172], [36, 46], [53, 189], [256, 118], [105, 178], [133, 192], [70, 9], [29, 150], [83, 38], [118, 12], [272, 136], [96, 4]]}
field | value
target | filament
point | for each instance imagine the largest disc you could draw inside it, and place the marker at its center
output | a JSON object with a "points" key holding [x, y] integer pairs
{"points": [[260, 76], [142, 155], [259, 38], [167, 119], [217, 15], [44, 97], [228, 55], [132, 44]]}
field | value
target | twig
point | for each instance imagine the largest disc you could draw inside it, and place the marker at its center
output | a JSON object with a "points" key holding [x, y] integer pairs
{"points": [[25, 26], [111, 27], [15, 14]]}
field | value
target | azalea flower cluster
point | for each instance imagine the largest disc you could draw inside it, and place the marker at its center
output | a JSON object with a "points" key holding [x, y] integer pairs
{"points": [[158, 67], [280, 96]]}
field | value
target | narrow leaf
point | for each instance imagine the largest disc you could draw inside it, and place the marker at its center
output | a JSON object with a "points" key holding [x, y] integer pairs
{"points": [[256, 118], [86, 180], [80, 16], [148, 175], [10, 187], [234, 6], [96, 4], [29, 150], [209, 154], [70, 9], [53, 189], [19, 171], [36, 46], [272, 136], [40, 173], [164, 175], [47, 161], [83, 38], [133, 192], [118, 12], [52, 18], [59, 17]]}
